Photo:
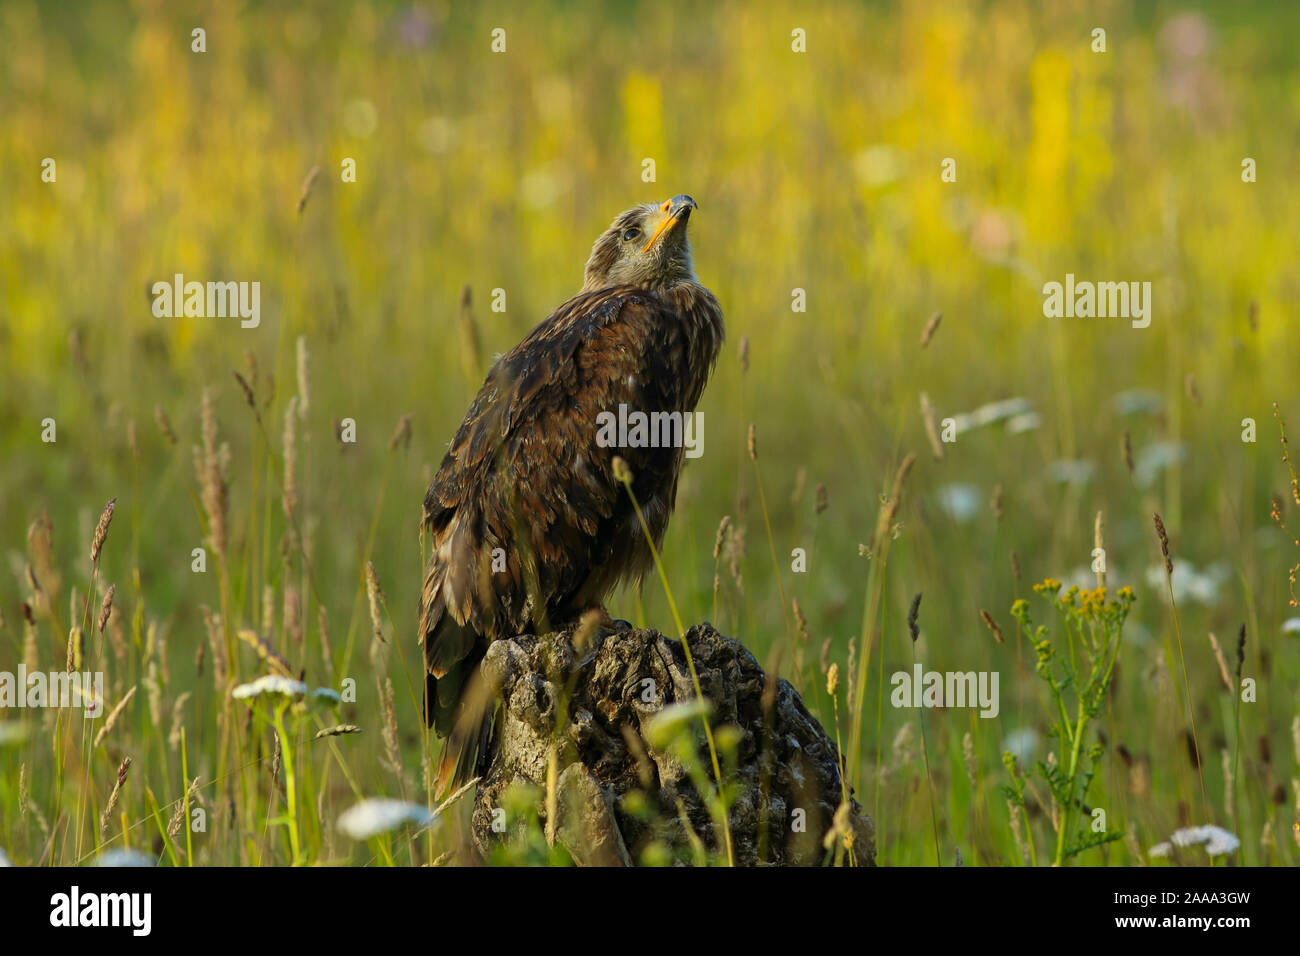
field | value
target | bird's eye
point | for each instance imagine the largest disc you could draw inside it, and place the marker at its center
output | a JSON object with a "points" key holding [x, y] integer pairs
{"points": [[632, 234]]}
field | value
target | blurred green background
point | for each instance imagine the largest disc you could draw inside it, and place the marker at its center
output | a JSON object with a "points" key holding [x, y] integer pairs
{"points": [[818, 171]]}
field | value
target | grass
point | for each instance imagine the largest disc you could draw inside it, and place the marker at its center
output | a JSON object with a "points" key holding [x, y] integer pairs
{"points": [[492, 173]]}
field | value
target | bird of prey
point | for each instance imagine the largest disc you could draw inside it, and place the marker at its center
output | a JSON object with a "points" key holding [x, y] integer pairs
{"points": [[530, 527]]}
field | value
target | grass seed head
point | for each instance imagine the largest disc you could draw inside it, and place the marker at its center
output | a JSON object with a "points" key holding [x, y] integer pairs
{"points": [[338, 730], [164, 425], [323, 625], [931, 327], [101, 530], [800, 482], [1164, 543], [1241, 660], [375, 594], [247, 389], [931, 430], [800, 622], [307, 185], [723, 527], [106, 608], [122, 770], [992, 625], [211, 480], [584, 634], [970, 760], [471, 348], [913, 613], [111, 721], [1219, 659], [402, 435], [304, 378], [265, 652], [76, 649]]}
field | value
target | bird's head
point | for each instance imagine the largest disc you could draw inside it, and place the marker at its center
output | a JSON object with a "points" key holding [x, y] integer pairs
{"points": [[645, 246]]}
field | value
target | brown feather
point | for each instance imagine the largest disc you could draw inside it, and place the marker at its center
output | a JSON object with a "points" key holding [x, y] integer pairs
{"points": [[524, 480]]}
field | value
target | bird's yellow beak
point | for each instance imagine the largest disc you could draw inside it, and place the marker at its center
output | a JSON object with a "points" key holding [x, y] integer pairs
{"points": [[677, 209]]}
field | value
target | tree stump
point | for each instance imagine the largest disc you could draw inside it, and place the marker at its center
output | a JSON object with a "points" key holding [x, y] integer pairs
{"points": [[618, 794]]}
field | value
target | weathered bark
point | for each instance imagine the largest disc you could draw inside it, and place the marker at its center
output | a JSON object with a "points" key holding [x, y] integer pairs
{"points": [[617, 794]]}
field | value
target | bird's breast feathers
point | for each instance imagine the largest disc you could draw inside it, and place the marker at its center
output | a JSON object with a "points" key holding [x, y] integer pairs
{"points": [[525, 510]]}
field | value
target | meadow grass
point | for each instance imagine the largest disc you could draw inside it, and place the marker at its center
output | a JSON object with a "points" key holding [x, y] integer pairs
{"points": [[480, 172]]}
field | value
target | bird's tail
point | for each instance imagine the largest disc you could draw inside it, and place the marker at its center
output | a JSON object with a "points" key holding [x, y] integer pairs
{"points": [[457, 701], [472, 712]]}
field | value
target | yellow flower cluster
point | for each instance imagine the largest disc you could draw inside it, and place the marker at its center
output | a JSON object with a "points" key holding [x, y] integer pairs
{"points": [[1084, 602]]}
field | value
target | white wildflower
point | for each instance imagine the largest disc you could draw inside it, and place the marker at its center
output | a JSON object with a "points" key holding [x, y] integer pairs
{"points": [[370, 818], [123, 858], [1216, 840], [270, 684]]}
